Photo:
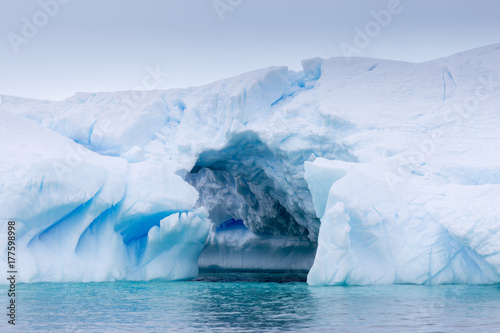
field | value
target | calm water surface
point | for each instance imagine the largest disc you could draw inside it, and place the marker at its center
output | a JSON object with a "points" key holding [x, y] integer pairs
{"points": [[245, 302]]}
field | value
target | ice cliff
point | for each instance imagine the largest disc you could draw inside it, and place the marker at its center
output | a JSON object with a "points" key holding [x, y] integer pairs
{"points": [[370, 171]]}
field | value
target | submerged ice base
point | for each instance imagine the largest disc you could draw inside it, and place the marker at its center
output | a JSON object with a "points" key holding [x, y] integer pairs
{"points": [[388, 168]]}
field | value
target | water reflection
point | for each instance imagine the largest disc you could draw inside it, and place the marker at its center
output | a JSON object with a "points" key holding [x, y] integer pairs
{"points": [[409, 308], [254, 306]]}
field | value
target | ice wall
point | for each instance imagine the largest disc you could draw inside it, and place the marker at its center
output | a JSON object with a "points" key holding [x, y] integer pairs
{"points": [[81, 216], [371, 235]]}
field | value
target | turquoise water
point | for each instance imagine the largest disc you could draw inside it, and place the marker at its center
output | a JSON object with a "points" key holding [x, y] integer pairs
{"points": [[245, 302]]}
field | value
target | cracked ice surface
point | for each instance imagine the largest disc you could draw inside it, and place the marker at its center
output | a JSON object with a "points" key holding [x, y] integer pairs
{"points": [[392, 168]]}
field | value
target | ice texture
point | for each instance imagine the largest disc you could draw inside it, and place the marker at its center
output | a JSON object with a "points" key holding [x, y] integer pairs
{"points": [[232, 246], [390, 169]]}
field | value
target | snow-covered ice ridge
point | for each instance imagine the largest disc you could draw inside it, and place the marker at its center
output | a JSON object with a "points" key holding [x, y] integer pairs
{"points": [[390, 169]]}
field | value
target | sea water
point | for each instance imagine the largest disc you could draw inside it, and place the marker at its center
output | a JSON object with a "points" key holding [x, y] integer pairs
{"points": [[251, 302]]}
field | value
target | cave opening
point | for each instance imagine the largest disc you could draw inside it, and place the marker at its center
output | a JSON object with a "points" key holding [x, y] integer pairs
{"points": [[254, 229]]}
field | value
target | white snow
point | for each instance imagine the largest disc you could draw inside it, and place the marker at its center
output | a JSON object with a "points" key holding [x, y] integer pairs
{"points": [[392, 169]]}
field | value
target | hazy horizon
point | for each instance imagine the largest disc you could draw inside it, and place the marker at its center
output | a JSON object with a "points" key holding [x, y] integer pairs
{"points": [[54, 48]]}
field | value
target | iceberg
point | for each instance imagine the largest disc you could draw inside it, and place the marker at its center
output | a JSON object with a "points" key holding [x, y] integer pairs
{"points": [[361, 171]]}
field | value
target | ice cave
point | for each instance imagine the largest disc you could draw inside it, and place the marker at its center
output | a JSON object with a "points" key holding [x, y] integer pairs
{"points": [[255, 219]]}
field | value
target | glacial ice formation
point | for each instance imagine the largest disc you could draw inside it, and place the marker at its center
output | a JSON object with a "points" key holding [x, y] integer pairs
{"points": [[251, 230], [366, 171]]}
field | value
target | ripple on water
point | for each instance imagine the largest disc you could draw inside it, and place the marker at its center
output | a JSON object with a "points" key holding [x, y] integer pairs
{"points": [[246, 302]]}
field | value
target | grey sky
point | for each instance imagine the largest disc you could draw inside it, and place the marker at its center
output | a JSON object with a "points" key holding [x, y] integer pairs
{"points": [[106, 45]]}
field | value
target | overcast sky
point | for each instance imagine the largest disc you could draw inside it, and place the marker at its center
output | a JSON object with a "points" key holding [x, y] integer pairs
{"points": [[110, 45]]}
